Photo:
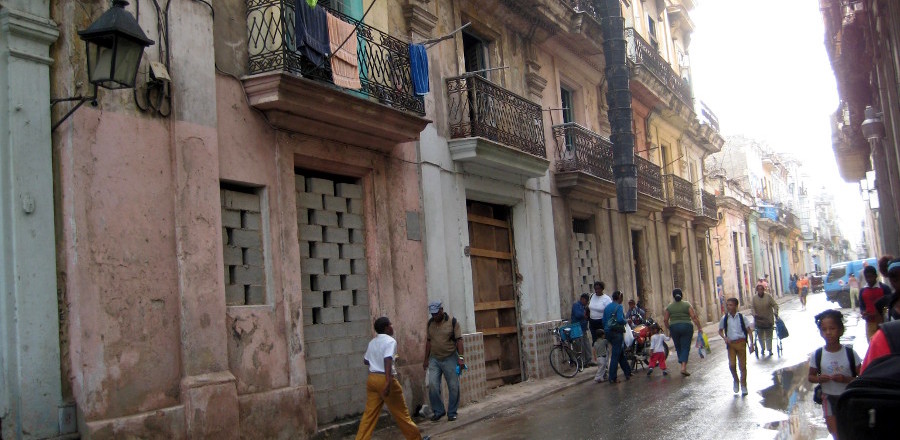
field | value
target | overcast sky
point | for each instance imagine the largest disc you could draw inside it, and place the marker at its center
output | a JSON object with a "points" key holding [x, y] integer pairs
{"points": [[761, 67]]}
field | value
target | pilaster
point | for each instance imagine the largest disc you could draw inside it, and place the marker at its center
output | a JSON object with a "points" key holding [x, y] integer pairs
{"points": [[30, 392]]}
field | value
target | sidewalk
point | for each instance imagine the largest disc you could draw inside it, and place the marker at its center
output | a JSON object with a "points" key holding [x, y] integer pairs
{"points": [[510, 396]]}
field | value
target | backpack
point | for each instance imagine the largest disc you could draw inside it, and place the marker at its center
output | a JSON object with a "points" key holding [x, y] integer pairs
{"points": [[817, 391], [452, 327], [869, 405], [743, 327]]}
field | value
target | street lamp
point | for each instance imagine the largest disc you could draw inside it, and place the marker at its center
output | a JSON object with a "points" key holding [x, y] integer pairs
{"points": [[115, 44]]}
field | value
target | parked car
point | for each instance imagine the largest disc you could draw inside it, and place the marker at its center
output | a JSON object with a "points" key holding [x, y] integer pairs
{"points": [[836, 288], [817, 282]]}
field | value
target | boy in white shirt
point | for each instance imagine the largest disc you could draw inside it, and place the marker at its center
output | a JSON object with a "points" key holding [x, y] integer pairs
{"points": [[736, 330], [382, 386], [658, 350]]}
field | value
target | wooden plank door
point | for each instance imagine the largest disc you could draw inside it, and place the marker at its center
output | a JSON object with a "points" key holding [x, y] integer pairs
{"points": [[494, 287]]}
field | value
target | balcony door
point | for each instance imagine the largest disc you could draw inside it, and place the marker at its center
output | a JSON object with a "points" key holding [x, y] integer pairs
{"points": [[475, 54]]}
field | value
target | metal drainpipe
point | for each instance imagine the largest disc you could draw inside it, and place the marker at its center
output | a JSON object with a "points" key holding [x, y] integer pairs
{"points": [[618, 95]]}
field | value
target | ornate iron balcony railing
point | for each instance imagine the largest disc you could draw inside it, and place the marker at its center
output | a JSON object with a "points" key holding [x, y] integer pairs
{"points": [[384, 66], [679, 192], [649, 178], [641, 52], [478, 107], [587, 6], [579, 149], [706, 204]]}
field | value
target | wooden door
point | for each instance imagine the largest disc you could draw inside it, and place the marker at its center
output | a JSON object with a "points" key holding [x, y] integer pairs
{"points": [[494, 287]]}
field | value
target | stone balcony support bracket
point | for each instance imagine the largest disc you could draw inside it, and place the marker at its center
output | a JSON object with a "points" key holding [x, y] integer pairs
{"points": [[488, 153]]}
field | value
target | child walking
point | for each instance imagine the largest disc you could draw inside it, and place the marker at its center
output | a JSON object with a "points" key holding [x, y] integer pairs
{"points": [[602, 362], [733, 329], [832, 366], [658, 350]]}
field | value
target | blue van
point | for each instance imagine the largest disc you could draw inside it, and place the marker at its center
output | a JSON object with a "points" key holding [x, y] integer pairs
{"points": [[836, 288]]}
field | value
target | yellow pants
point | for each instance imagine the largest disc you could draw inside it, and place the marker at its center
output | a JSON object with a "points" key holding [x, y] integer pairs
{"points": [[738, 349], [395, 403]]}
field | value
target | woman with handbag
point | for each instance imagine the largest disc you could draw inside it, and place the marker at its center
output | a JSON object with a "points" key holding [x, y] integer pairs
{"points": [[677, 319], [615, 328]]}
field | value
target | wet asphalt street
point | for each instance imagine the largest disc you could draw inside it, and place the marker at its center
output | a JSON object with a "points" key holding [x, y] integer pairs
{"points": [[701, 406]]}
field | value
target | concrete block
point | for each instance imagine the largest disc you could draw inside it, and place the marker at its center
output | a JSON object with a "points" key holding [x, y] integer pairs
{"points": [[246, 238], [321, 283], [318, 349], [359, 266], [227, 275], [309, 200], [251, 220], [337, 363], [302, 216], [336, 204], [353, 251], [234, 295], [232, 255], [224, 237], [335, 331], [231, 218], [315, 366], [313, 299], [361, 297], [353, 282], [256, 295], [341, 346], [336, 235], [324, 250], [348, 190], [253, 257], [360, 330], [351, 221], [323, 218], [336, 266], [240, 201], [308, 315], [340, 298], [355, 206], [345, 378], [319, 186], [310, 232], [305, 282], [357, 236], [360, 344], [299, 183], [312, 266], [304, 248], [359, 313], [332, 315], [250, 275]]}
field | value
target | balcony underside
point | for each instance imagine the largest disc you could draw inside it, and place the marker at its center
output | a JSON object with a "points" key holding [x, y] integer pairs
{"points": [[645, 83], [854, 159], [319, 109], [649, 203], [703, 222], [490, 155], [583, 186], [678, 214]]}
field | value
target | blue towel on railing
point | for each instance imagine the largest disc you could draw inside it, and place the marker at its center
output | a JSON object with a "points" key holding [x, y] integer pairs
{"points": [[311, 30], [418, 66]]}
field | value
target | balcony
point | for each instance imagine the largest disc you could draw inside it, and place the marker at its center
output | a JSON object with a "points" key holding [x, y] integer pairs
{"points": [[707, 215], [679, 198], [646, 58], [649, 185], [494, 129], [584, 162], [283, 83]]}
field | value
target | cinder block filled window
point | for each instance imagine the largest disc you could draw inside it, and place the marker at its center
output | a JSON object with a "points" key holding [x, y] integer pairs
{"points": [[242, 237]]}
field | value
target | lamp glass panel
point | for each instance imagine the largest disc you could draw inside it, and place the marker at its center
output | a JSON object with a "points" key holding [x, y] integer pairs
{"points": [[128, 58]]}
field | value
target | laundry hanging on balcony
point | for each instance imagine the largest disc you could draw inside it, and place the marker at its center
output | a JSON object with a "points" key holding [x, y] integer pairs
{"points": [[312, 3], [418, 66], [344, 58], [311, 30]]}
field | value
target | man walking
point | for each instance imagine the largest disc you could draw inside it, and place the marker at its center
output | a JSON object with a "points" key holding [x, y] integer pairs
{"points": [[596, 307], [382, 386], [733, 329], [765, 310], [579, 318], [443, 353]]}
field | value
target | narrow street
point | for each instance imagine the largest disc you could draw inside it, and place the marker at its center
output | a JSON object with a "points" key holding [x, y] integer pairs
{"points": [[701, 406]]}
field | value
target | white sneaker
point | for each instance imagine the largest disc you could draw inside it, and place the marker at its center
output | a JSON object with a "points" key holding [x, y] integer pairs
{"points": [[737, 387], [743, 390]]}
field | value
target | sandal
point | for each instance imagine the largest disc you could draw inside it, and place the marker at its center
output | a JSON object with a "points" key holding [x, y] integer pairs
{"points": [[685, 373]]}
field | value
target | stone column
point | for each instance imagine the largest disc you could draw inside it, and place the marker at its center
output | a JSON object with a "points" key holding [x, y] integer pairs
{"points": [[30, 391], [207, 387]]}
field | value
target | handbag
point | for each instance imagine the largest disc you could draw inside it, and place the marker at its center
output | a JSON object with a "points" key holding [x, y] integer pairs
{"points": [[817, 394], [616, 326]]}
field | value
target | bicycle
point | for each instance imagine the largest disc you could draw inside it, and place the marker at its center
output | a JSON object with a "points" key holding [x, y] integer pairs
{"points": [[566, 356]]}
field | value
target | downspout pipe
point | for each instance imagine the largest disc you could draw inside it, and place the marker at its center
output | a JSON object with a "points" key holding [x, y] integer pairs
{"points": [[618, 96]]}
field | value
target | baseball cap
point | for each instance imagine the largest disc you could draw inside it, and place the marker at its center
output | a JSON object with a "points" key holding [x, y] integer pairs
{"points": [[434, 307]]}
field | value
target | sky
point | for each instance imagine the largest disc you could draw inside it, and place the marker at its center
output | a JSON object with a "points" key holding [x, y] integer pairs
{"points": [[762, 68]]}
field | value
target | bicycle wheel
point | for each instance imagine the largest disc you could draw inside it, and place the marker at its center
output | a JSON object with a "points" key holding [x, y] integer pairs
{"points": [[563, 361]]}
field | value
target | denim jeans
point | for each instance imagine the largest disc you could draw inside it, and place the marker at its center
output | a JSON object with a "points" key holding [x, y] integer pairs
{"points": [[447, 368], [617, 355], [682, 333]]}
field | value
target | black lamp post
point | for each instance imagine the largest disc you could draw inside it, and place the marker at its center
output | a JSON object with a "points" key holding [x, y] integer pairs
{"points": [[115, 44]]}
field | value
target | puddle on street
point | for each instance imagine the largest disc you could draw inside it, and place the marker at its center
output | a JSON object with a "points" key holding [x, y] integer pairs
{"points": [[791, 394]]}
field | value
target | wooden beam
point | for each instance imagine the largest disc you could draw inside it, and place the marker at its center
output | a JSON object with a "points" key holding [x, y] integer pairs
{"points": [[494, 305], [490, 254], [498, 331], [488, 221]]}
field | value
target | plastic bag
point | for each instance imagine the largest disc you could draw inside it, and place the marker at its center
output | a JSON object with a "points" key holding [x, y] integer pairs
{"points": [[702, 344], [629, 335]]}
